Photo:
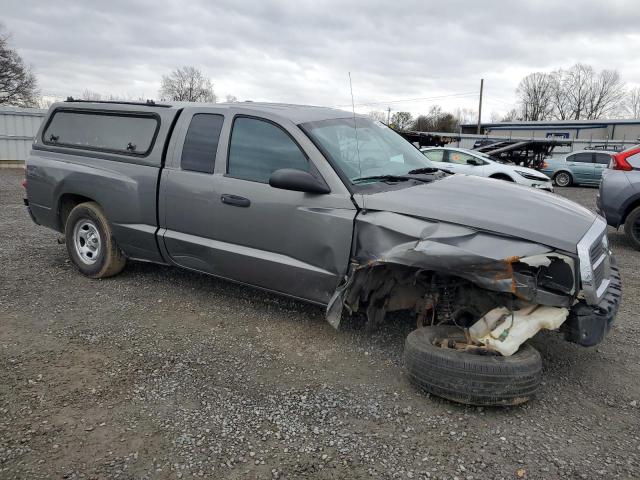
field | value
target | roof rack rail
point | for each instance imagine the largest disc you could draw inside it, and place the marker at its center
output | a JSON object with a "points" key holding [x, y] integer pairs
{"points": [[148, 103]]}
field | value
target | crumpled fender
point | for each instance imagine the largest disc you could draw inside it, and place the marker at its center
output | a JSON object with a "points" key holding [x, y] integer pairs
{"points": [[484, 258]]}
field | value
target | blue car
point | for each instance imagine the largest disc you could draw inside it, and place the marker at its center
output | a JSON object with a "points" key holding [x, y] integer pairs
{"points": [[582, 167]]}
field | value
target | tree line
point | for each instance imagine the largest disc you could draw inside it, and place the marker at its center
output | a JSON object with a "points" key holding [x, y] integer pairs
{"points": [[577, 93], [435, 120]]}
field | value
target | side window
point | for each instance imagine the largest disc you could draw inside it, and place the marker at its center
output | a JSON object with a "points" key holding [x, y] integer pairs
{"points": [[201, 143], [434, 155], [258, 148], [634, 160], [581, 158], [459, 157], [603, 158], [129, 133]]}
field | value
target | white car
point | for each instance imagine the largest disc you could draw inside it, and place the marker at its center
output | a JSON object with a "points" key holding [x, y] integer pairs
{"points": [[461, 160]]}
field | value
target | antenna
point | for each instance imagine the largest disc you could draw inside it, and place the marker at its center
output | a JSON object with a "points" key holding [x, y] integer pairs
{"points": [[355, 125]]}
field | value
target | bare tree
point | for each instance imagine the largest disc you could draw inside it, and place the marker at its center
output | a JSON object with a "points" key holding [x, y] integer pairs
{"points": [[606, 93], [466, 115], [232, 99], [436, 121], [90, 95], [18, 85], [511, 115], [632, 103], [401, 120], [534, 94], [378, 115], [187, 84], [559, 98]]}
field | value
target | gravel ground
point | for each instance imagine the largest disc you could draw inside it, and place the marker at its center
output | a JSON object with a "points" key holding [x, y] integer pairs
{"points": [[162, 373]]}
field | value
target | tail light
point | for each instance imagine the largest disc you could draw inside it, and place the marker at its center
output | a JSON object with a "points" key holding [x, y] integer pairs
{"points": [[545, 164], [620, 162], [24, 181]]}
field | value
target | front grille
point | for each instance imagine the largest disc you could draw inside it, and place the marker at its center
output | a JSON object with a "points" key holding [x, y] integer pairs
{"points": [[596, 251], [593, 253]]}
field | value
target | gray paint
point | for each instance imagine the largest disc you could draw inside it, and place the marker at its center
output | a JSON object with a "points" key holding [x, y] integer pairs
{"points": [[491, 205], [619, 194], [295, 243]]}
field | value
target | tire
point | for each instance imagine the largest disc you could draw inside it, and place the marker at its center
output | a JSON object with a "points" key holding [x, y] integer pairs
{"points": [[563, 179], [506, 178], [632, 228], [90, 244], [470, 378]]}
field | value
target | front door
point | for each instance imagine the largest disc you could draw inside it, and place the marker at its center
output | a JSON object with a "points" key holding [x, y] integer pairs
{"points": [[602, 161], [581, 166], [460, 162], [293, 242]]}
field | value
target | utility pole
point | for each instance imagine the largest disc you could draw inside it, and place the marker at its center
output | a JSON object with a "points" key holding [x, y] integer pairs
{"points": [[388, 115], [480, 106]]}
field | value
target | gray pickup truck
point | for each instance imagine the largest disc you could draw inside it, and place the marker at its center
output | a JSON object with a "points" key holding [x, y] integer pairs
{"points": [[335, 209]]}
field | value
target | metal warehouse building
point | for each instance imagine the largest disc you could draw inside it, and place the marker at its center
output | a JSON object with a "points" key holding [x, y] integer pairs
{"points": [[18, 126], [621, 130]]}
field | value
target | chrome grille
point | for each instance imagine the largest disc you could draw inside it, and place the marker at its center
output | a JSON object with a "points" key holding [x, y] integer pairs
{"points": [[593, 253], [596, 251]]}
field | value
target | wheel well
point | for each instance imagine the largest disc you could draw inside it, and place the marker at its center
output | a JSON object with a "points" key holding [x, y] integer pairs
{"points": [[67, 203], [501, 176]]}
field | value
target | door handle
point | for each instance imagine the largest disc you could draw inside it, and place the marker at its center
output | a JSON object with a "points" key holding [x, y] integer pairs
{"points": [[235, 200]]}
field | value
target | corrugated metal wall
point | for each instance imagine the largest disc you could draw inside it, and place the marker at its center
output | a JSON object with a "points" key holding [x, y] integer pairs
{"points": [[18, 126]]}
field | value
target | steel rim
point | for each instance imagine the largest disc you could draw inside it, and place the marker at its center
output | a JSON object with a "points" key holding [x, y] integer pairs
{"points": [[562, 179], [87, 241]]}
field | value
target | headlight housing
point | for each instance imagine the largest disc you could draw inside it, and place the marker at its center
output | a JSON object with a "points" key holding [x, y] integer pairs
{"points": [[531, 176]]}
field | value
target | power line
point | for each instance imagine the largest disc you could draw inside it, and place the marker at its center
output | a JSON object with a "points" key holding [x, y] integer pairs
{"points": [[466, 94]]}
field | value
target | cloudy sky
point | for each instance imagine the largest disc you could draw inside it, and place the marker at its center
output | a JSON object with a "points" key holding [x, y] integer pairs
{"points": [[401, 54]]}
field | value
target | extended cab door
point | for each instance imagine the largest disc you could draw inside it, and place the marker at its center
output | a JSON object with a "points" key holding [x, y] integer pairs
{"points": [[232, 223]]}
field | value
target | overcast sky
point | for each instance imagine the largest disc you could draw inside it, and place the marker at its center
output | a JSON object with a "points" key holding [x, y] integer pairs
{"points": [[300, 51]]}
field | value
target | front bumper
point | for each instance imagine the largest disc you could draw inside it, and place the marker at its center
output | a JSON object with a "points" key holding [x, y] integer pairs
{"points": [[587, 325]]}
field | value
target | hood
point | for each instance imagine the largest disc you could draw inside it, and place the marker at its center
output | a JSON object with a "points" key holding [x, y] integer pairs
{"points": [[495, 206]]}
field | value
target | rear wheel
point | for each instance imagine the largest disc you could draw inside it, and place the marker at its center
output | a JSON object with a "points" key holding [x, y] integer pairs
{"points": [[473, 376], [563, 179], [90, 244], [632, 228]]}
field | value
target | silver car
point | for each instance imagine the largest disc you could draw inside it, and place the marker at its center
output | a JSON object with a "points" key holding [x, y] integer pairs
{"points": [[619, 196]]}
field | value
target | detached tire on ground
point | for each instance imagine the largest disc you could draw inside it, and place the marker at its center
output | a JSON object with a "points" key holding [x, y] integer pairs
{"points": [[632, 228], [470, 378], [90, 244]]}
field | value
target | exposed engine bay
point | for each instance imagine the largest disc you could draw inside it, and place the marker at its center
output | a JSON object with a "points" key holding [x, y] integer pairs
{"points": [[499, 290]]}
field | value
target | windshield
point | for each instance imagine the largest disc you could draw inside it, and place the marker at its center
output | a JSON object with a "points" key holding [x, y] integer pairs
{"points": [[381, 150]]}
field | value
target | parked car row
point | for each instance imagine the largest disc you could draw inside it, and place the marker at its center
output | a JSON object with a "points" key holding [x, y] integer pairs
{"points": [[340, 211]]}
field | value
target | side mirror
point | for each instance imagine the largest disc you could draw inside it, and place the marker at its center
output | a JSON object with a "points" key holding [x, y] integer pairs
{"points": [[297, 181]]}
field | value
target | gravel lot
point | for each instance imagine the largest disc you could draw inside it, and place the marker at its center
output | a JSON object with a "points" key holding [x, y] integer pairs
{"points": [[162, 373]]}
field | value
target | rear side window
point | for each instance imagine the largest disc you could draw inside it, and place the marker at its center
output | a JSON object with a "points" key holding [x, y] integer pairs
{"points": [[201, 143], [582, 158], [131, 134], [603, 158], [259, 148], [434, 155]]}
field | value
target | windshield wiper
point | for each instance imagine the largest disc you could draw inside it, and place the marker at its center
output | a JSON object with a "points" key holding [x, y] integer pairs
{"points": [[423, 170], [389, 178], [418, 171]]}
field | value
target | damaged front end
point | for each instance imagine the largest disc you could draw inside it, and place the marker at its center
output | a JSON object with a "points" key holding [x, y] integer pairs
{"points": [[500, 290]]}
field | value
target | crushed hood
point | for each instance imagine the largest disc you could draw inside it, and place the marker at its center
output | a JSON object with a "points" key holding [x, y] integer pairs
{"points": [[495, 206]]}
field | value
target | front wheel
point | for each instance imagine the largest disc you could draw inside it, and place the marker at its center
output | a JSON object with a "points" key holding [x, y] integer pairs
{"points": [[563, 179], [90, 244], [632, 228], [474, 376]]}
